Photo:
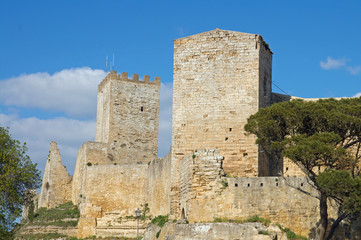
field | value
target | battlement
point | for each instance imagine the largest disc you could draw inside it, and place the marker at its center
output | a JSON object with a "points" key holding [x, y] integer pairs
{"points": [[113, 75]]}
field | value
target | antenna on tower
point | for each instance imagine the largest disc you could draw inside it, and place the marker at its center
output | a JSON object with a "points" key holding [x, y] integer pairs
{"points": [[113, 61], [106, 64]]}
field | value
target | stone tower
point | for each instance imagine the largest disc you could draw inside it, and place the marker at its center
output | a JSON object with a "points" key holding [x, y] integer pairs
{"points": [[127, 117], [220, 79]]}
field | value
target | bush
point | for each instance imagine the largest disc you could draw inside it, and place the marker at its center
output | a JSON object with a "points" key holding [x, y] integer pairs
{"points": [[160, 220], [290, 234], [158, 233], [263, 232]]}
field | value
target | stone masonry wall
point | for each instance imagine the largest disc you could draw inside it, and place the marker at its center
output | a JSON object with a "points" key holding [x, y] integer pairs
{"points": [[206, 194], [216, 87], [111, 192], [127, 118], [56, 186], [200, 176], [89, 153], [158, 178]]}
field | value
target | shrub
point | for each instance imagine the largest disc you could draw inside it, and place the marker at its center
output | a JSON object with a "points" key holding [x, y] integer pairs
{"points": [[263, 232], [160, 220], [158, 233]]}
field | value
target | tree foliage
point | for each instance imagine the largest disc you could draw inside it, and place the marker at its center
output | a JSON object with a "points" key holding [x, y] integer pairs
{"points": [[17, 173], [323, 134]]}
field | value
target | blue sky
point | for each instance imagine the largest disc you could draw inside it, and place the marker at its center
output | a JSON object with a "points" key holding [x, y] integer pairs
{"points": [[52, 56]]}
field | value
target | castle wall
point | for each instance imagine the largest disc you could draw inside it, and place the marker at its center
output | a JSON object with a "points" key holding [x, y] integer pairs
{"points": [[206, 194], [159, 184], [201, 176], [56, 186], [111, 192], [128, 111], [89, 153]]}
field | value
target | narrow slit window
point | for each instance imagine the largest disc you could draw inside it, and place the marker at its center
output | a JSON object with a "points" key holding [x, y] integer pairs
{"points": [[141, 109]]}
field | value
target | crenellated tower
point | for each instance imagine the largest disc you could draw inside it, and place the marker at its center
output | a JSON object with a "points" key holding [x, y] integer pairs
{"points": [[127, 117]]}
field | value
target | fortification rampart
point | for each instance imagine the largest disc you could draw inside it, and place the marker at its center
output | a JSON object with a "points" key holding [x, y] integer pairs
{"points": [[206, 194], [158, 177], [113, 75], [90, 153]]}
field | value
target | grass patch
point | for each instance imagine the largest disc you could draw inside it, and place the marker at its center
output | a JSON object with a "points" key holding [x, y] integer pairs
{"points": [[256, 218], [160, 220], [46, 236], [263, 232], [56, 216], [251, 219], [67, 210], [290, 234], [224, 184], [60, 223]]}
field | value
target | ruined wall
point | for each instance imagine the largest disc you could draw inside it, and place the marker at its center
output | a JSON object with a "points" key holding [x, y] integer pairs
{"points": [[200, 177], [56, 186], [106, 192], [127, 117], [158, 177], [216, 87], [206, 194]]}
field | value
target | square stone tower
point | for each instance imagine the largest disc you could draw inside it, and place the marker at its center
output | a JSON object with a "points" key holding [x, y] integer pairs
{"points": [[127, 117], [220, 79]]}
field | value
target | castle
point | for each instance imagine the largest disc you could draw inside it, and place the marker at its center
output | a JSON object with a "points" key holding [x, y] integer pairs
{"points": [[213, 169]]}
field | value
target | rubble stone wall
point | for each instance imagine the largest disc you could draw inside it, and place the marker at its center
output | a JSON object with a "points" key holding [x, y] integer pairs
{"points": [[56, 186]]}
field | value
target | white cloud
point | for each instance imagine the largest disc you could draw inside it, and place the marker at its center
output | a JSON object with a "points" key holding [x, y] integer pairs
{"points": [[71, 91], [332, 63], [70, 134], [354, 70], [357, 94], [165, 119]]}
